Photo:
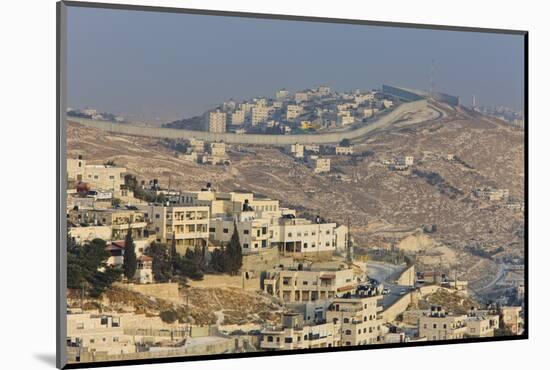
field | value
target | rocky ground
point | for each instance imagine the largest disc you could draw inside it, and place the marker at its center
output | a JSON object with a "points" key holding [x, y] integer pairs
{"points": [[200, 306]]}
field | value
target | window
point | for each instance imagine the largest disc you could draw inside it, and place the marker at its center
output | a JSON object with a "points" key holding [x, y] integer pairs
{"points": [[111, 177], [305, 245], [80, 326], [288, 340], [346, 320], [225, 231], [304, 282], [157, 215], [115, 339], [245, 245], [435, 326], [270, 338], [444, 326], [212, 229], [246, 232], [348, 332], [290, 235]]}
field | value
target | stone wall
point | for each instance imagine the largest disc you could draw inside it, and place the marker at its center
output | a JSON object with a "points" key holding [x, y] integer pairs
{"points": [[222, 346], [262, 261]]}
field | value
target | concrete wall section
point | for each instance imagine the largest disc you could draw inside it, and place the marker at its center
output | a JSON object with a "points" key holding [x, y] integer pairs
{"points": [[255, 139]]}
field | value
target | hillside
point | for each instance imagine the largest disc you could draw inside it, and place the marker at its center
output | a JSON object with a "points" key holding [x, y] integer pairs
{"points": [[376, 199]]}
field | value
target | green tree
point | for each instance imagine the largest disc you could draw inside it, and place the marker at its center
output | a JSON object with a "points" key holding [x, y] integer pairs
{"points": [[87, 268], [233, 260], [173, 256], [345, 142], [187, 267], [217, 260], [130, 259], [162, 264]]}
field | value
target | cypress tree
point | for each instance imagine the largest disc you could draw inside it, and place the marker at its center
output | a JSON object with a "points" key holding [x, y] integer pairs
{"points": [[234, 252], [130, 259], [173, 256]]}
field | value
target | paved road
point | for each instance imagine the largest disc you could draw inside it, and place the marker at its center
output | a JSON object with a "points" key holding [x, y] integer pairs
{"points": [[499, 276], [383, 271]]}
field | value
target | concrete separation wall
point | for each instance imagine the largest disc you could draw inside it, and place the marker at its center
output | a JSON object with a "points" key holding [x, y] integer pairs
{"points": [[407, 277], [390, 313], [255, 139]]}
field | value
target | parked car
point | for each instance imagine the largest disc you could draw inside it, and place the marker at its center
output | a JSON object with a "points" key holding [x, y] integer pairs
{"points": [[402, 292], [386, 291]]}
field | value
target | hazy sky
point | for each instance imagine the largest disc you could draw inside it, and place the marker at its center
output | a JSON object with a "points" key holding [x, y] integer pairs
{"points": [[164, 66]]}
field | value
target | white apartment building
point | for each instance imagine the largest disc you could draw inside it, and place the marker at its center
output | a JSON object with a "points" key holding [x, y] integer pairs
{"points": [[405, 160], [344, 118], [238, 117], [253, 232], [358, 317], [296, 150], [282, 94], [246, 107], [293, 285], [97, 176], [438, 325], [120, 220], [344, 150], [293, 111], [187, 224], [260, 114], [217, 149], [301, 96], [217, 121], [300, 236], [321, 165], [314, 148], [293, 334], [197, 145]]}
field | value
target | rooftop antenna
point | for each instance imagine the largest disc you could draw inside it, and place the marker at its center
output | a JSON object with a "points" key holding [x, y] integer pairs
{"points": [[473, 102]]}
